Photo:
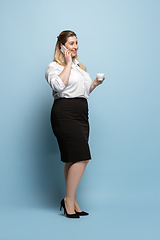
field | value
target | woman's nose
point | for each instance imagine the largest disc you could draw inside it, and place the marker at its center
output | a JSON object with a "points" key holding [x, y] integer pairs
{"points": [[76, 46]]}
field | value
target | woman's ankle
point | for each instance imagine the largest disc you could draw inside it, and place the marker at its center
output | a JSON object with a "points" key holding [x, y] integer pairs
{"points": [[69, 204], [76, 207]]}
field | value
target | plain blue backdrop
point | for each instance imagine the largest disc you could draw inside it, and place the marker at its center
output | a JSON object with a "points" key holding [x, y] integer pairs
{"points": [[120, 187]]}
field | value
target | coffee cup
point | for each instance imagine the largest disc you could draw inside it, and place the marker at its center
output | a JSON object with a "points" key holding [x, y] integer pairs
{"points": [[100, 76]]}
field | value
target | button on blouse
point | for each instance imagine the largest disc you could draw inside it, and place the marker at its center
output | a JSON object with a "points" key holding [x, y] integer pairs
{"points": [[78, 85]]}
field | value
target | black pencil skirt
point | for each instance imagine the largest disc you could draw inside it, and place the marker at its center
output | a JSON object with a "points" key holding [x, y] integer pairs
{"points": [[69, 120]]}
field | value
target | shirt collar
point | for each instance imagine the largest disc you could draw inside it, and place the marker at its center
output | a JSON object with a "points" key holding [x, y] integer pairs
{"points": [[75, 62]]}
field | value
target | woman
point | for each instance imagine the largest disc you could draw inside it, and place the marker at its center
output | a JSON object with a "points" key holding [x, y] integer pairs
{"points": [[71, 86]]}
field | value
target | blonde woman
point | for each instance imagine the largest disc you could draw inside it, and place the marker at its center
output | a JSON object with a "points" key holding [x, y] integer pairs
{"points": [[71, 86]]}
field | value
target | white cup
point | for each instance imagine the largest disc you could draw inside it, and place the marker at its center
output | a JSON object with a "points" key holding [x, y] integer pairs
{"points": [[100, 76]]}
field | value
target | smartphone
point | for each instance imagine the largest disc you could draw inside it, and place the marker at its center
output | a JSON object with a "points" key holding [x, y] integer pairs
{"points": [[63, 48]]}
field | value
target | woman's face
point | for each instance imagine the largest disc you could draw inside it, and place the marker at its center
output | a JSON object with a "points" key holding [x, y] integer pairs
{"points": [[72, 46]]}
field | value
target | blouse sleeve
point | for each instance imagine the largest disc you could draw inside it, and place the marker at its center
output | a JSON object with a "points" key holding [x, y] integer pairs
{"points": [[53, 79]]}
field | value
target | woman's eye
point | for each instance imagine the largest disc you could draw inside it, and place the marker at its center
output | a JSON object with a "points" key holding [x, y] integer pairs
{"points": [[72, 43]]}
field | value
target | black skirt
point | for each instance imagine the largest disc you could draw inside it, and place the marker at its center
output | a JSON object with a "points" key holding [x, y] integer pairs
{"points": [[69, 119]]}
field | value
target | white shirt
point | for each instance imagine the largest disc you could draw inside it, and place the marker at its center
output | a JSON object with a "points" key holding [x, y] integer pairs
{"points": [[78, 85]]}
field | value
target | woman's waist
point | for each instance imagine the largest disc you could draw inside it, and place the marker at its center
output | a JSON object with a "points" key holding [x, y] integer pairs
{"points": [[71, 103], [74, 107]]}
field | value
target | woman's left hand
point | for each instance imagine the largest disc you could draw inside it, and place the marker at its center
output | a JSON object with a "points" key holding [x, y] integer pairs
{"points": [[95, 83]]}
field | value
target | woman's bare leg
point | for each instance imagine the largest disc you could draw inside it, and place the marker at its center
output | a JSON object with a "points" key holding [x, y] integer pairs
{"points": [[66, 169], [73, 173]]}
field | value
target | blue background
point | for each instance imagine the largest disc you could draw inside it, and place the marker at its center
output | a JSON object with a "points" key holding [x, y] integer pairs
{"points": [[120, 187]]}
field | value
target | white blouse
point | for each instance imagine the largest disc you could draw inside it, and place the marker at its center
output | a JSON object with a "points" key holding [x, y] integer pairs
{"points": [[78, 85]]}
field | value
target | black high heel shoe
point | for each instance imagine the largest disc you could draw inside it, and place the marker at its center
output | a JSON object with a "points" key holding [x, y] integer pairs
{"points": [[82, 213], [75, 215]]}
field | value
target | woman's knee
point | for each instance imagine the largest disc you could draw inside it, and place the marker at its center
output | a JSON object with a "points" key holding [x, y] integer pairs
{"points": [[85, 162]]}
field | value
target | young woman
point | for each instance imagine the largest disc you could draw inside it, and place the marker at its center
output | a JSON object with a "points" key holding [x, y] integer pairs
{"points": [[71, 86]]}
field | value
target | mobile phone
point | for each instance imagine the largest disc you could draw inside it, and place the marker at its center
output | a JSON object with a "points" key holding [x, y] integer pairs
{"points": [[63, 48]]}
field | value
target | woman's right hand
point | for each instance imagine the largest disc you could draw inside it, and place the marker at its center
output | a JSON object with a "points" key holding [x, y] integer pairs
{"points": [[67, 57]]}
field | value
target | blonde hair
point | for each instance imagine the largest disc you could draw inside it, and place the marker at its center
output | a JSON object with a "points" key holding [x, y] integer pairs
{"points": [[58, 55]]}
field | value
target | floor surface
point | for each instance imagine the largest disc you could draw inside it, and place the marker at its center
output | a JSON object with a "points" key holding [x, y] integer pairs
{"points": [[110, 222]]}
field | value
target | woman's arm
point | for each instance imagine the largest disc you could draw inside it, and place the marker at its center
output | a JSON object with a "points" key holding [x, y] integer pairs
{"points": [[95, 84], [65, 74]]}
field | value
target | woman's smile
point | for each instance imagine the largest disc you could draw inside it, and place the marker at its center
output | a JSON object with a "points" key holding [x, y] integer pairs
{"points": [[74, 51]]}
